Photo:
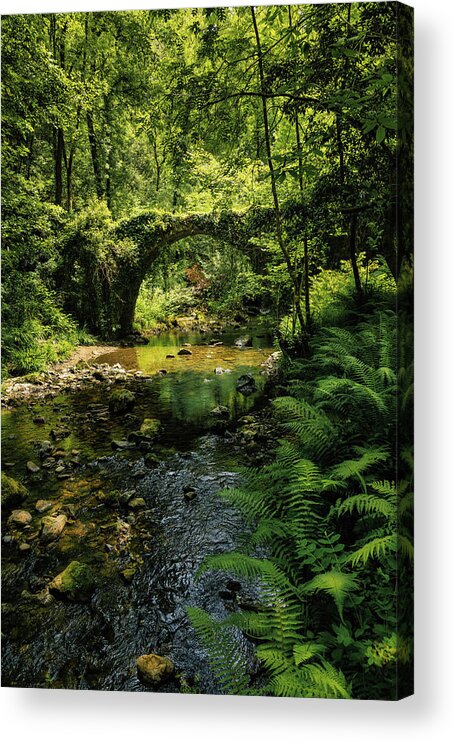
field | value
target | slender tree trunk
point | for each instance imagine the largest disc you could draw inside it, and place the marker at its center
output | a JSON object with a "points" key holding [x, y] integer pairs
{"points": [[97, 171], [58, 52], [159, 162], [353, 254], [29, 156], [278, 224], [69, 182], [340, 149], [58, 161], [307, 281]]}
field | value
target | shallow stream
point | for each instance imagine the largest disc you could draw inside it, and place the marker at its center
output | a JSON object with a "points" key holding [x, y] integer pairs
{"points": [[144, 558]]}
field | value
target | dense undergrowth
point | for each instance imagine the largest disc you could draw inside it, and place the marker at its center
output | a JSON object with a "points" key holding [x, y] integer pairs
{"points": [[333, 513]]}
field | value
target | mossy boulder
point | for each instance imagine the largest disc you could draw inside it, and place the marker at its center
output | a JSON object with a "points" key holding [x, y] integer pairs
{"points": [[153, 669], [13, 492], [121, 400], [150, 428], [76, 582]]}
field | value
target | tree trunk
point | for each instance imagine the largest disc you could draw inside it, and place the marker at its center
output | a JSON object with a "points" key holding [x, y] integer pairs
{"points": [[353, 254], [58, 162], [307, 280], [278, 225], [97, 171]]}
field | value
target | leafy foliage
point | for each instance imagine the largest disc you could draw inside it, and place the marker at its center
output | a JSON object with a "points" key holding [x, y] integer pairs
{"points": [[334, 532]]}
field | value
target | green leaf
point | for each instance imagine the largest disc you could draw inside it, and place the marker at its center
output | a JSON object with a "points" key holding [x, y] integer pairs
{"points": [[380, 134]]}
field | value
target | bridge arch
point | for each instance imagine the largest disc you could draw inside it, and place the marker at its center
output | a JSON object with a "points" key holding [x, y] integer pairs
{"points": [[152, 233]]}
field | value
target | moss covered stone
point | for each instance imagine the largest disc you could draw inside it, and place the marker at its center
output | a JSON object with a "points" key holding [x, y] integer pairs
{"points": [[153, 669], [76, 582], [121, 400], [150, 427], [13, 492]]}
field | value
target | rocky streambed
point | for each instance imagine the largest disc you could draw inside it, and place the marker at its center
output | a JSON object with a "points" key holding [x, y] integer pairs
{"points": [[111, 480]]}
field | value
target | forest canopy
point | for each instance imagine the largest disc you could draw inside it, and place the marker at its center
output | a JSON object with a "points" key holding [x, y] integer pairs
{"points": [[114, 115]]}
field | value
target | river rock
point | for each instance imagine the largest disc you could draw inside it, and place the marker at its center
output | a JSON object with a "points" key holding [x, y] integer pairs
{"points": [[42, 505], [121, 445], [220, 410], [75, 583], [246, 385], [244, 342], [151, 460], [13, 492], [150, 427], [185, 352], [169, 355], [189, 493], [129, 572], [20, 518], [52, 527], [153, 669], [121, 400], [136, 503], [44, 449], [32, 468]]}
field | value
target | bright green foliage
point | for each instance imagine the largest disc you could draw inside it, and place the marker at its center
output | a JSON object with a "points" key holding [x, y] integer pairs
{"points": [[326, 511]]}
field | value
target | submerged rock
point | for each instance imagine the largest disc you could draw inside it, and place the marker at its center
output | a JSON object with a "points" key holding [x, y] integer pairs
{"points": [[52, 527], [184, 352], [121, 400], [246, 385], [151, 460], [189, 493], [76, 582], [13, 492], [153, 669]]}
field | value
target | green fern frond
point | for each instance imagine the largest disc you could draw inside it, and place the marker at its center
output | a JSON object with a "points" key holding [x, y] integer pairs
{"points": [[310, 681], [378, 548], [226, 658], [356, 468], [367, 505], [405, 546], [306, 651], [337, 584]]}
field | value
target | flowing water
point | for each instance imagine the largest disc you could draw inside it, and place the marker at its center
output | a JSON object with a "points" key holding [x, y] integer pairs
{"points": [[145, 558]]}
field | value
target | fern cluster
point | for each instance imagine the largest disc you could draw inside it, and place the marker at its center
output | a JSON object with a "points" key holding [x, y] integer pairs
{"points": [[333, 513]]}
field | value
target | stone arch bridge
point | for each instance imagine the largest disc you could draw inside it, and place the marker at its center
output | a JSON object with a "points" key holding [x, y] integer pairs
{"points": [[112, 282]]}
